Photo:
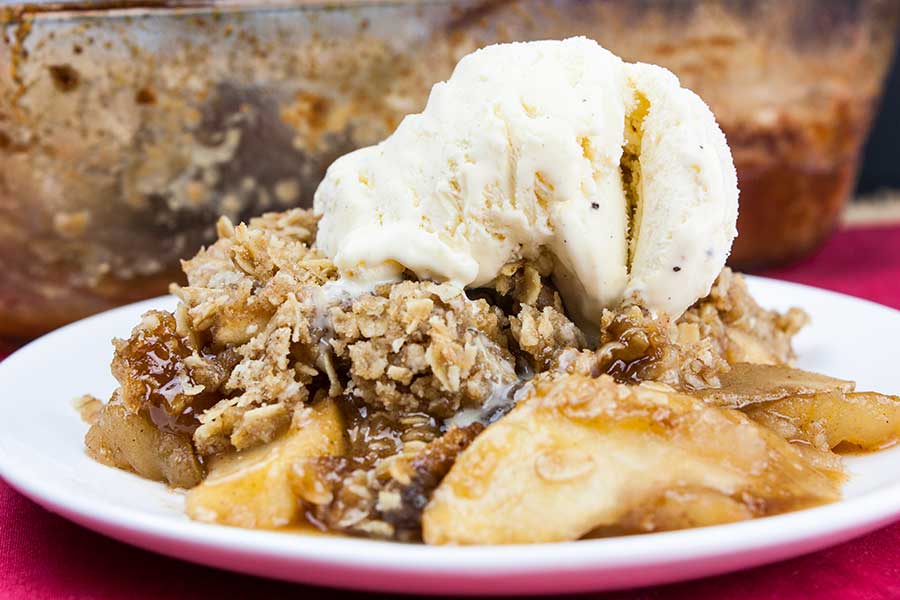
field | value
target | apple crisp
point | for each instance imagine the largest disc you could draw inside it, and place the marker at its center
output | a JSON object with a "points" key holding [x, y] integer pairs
{"points": [[279, 394]]}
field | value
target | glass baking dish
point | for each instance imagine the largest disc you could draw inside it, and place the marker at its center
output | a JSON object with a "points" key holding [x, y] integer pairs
{"points": [[126, 128]]}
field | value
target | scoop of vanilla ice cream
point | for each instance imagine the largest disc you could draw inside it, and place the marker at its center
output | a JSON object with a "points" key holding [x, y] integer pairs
{"points": [[559, 146]]}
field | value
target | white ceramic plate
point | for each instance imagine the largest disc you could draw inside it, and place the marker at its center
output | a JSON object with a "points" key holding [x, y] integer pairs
{"points": [[41, 454]]}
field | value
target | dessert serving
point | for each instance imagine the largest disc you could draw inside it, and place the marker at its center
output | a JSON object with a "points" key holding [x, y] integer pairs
{"points": [[509, 322]]}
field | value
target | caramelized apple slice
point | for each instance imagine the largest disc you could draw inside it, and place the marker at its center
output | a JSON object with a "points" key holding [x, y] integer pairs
{"points": [[864, 420], [749, 383], [578, 454], [130, 441], [251, 488]]}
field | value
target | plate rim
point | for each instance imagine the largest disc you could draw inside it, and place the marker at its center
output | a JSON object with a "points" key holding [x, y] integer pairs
{"points": [[811, 528]]}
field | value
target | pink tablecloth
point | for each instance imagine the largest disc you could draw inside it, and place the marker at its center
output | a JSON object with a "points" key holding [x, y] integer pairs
{"points": [[44, 556]]}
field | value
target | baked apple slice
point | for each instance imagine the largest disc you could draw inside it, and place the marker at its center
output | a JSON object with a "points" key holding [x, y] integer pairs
{"points": [[580, 454], [252, 488], [833, 420]]}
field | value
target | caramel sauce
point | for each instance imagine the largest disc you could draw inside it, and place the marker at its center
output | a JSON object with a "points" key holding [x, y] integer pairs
{"points": [[306, 528], [154, 360]]}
